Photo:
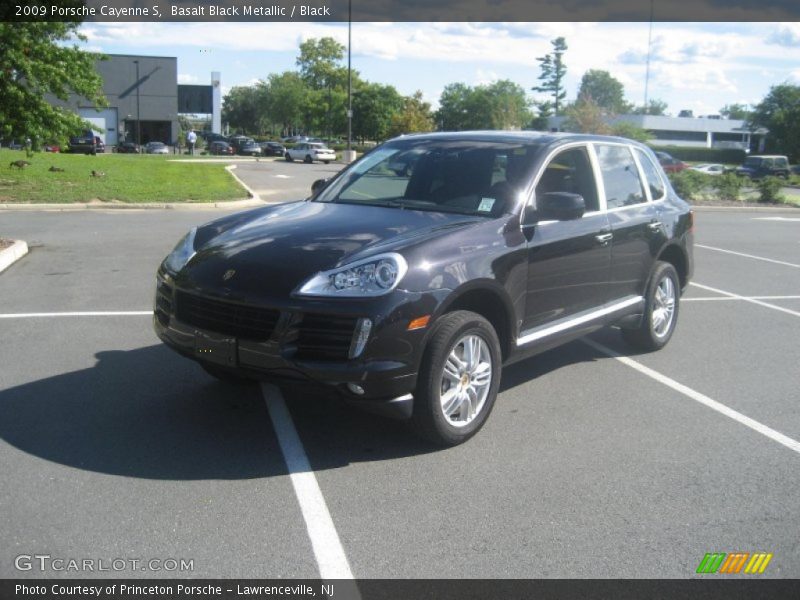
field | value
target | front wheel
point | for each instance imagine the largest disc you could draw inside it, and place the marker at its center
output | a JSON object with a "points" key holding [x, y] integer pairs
{"points": [[458, 380], [288, 157], [661, 310], [308, 159]]}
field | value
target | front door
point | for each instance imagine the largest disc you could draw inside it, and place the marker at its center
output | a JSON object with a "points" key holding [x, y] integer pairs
{"points": [[568, 261]]}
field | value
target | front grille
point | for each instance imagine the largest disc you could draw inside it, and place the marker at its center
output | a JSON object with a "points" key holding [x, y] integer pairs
{"points": [[163, 306], [322, 337], [219, 316]]}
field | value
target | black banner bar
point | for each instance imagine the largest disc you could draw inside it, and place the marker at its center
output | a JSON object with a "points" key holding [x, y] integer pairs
{"points": [[401, 10], [710, 588]]}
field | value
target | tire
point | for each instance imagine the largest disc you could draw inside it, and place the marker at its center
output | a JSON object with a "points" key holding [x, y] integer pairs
{"points": [[452, 335], [225, 375], [289, 157], [308, 159], [327, 162], [658, 321]]}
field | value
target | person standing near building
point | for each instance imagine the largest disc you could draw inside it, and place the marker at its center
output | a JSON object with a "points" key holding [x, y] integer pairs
{"points": [[191, 138]]}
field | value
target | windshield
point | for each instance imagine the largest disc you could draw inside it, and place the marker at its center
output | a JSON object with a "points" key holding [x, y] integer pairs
{"points": [[461, 176]]}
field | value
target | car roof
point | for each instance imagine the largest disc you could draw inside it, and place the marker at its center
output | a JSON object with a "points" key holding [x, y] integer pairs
{"points": [[518, 136], [767, 156]]}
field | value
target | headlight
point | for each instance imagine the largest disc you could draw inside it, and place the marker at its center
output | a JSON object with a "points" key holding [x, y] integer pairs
{"points": [[373, 276], [183, 251]]}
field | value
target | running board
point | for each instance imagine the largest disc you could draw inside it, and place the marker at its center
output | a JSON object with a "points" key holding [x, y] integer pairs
{"points": [[543, 331]]}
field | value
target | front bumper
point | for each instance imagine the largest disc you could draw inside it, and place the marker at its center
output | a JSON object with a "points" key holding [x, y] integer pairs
{"points": [[382, 377]]}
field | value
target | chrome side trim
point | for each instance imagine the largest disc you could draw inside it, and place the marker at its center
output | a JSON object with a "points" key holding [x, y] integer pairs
{"points": [[526, 337]]}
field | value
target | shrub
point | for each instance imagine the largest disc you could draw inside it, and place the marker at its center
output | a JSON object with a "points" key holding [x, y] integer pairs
{"points": [[688, 184], [769, 189], [728, 186]]}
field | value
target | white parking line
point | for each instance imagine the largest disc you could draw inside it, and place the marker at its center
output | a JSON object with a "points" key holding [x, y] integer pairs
{"points": [[753, 256], [328, 550], [707, 298], [698, 397], [746, 299], [110, 313]]}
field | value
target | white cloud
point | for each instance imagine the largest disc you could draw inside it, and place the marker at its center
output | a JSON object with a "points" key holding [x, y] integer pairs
{"points": [[787, 34]]}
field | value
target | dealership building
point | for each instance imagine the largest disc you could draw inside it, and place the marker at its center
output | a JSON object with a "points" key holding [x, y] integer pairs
{"points": [[698, 132], [144, 100]]}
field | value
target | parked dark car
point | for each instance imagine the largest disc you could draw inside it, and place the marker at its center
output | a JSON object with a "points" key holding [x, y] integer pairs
{"points": [[128, 148], [86, 143], [273, 149], [249, 148], [670, 164], [156, 148], [410, 278], [758, 166], [238, 140], [213, 137], [220, 147]]}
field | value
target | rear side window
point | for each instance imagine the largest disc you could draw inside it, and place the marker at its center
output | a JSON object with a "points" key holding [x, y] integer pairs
{"points": [[651, 175], [620, 176]]}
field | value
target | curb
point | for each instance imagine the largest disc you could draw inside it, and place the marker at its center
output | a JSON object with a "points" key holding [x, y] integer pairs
{"points": [[12, 254], [701, 208], [246, 203]]}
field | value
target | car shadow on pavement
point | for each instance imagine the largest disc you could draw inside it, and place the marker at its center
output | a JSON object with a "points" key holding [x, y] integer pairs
{"points": [[150, 414]]}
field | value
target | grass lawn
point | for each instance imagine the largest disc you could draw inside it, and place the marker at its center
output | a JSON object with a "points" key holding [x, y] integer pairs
{"points": [[127, 178]]}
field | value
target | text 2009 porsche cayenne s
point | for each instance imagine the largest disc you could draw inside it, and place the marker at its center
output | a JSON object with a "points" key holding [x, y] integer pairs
{"points": [[409, 279]]}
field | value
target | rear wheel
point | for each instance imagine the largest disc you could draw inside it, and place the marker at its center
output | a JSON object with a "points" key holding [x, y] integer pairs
{"points": [[661, 310], [288, 157], [458, 380], [308, 159]]}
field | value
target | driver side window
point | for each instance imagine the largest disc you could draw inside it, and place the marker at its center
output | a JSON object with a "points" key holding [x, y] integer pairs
{"points": [[570, 171]]}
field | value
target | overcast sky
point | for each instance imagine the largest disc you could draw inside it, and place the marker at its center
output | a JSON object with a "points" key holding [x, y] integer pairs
{"points": [[697, 66]]}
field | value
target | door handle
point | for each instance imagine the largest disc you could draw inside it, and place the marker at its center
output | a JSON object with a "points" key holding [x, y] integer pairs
{"points": [[654, 226], [604, 238]]}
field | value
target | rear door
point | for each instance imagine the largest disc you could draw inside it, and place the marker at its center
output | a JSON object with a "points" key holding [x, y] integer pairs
{"points": [[633, 190]]}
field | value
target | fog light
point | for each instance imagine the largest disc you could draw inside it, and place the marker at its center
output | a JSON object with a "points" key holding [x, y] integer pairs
{"points": [[360, 337], [356, 389]]}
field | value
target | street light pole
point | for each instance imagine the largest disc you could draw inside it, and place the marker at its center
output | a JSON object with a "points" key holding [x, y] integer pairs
{"points": [[349, 155], [138, 114]]}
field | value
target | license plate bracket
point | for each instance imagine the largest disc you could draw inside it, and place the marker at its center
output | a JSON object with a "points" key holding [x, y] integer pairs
{"points": [[215, 348]]}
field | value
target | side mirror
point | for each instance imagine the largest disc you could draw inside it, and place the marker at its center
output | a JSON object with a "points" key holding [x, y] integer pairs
{"points": [[318, 185], [560, 206]]}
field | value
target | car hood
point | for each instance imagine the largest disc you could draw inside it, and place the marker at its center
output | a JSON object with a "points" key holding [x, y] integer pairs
{"points": [[270, 252]]}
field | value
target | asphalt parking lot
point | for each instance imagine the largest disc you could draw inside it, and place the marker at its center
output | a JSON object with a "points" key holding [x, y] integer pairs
{"points": [[590, 466]]}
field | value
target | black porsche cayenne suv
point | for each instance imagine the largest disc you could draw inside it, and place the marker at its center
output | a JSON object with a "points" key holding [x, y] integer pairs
{"points": [[407, 281]]}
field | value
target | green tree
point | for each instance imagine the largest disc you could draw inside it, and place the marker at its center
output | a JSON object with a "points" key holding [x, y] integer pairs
{"points": [[586, 116], [508, 106], [414, 117], [374, 106], [319, 63], [779, 112], [500, 105], [37, 60], [284, 98], [242, 108], [453, 113], [654, 107], [605, 90], [552, 72], [736, 111]]}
